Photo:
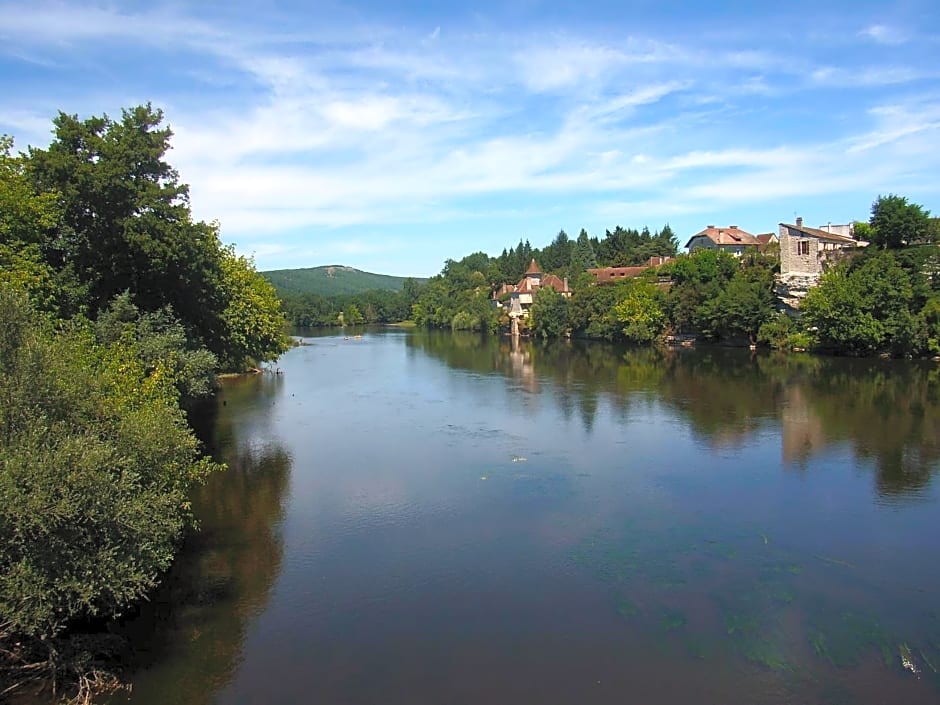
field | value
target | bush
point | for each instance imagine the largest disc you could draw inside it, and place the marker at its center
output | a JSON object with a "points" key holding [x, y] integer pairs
{"points": [[96, 462]]}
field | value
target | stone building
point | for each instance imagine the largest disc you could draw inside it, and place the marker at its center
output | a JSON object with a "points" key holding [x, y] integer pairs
{"points": [[805, 253]]}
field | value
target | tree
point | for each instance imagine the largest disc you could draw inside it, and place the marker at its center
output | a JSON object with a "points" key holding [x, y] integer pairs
{"points": [[96, 463], [557, 255], [253, 325], [352, 316], [591, 312], [641, 311], [744, 304], [125, 220], [698, 281], [28, 220], [860, 309], [549, 313], [896, 223], [160, 343], [582, 255]]}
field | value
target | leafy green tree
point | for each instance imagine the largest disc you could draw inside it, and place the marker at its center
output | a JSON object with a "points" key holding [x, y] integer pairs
{"points": [[698, 279], [641, 311], [125, 220], [96, 463], [557, 255], [160, 343], [26, 217], [549, 313], [895, 223], [863, 231], [28, 220], [253, 323], [352, 316], [861, 309], [591, 312], [744, 304], [458, 289]]}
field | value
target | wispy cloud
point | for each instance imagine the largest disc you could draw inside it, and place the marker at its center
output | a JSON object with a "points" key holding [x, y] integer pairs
{"points": [[292, 130], [884, 34]]}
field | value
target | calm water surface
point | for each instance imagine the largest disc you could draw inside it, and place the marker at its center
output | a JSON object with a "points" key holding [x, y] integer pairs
{"points": [[431, 518]]}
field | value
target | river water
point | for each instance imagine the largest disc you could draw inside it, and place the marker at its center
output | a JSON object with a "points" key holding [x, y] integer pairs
{"points": [[413, 517]]}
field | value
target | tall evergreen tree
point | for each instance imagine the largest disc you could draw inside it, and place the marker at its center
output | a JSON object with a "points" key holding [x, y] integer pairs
{"points": [[583, 256]]}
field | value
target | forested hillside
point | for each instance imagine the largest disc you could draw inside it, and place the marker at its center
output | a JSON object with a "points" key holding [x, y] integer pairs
{"points": [[332, 280]]}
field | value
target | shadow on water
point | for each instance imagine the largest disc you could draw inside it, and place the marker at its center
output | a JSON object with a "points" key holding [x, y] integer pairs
{"points": [[887, 411], [190, 634]]}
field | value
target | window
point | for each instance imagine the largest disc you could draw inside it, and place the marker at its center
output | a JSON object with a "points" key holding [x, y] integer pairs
{"points": [[802, 247]]}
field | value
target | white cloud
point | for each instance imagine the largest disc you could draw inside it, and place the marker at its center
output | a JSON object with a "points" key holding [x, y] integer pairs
{"points": [[869, 77], [332, 127], [883, 34]]}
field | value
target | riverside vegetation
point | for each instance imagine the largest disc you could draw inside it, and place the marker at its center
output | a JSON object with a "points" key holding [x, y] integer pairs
{"points": [[117, 310], [885, 299]]}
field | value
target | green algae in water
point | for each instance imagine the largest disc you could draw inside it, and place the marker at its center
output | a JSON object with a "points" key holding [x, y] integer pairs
{"points": [[844, 640], [696, 648], [764, 651], [742, 624], [751, 624], [672, 619], [627, 608]]}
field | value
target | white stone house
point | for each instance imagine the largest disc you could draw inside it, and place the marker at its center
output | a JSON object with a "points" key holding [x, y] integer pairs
{"points": [[805, 251]]}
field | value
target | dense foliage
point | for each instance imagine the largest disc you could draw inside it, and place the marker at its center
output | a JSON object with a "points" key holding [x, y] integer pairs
{"points": [[116, 310], [458, 291], [895, 223], [880, 302], [100, 212], [95, 465], [373, 306], [458, 298]]}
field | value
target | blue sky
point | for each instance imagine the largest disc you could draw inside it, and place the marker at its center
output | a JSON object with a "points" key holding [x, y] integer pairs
{"points": [[392, 136]]}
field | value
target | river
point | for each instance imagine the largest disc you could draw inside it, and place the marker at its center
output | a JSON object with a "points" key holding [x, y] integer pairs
{"points": [[415, 517]]}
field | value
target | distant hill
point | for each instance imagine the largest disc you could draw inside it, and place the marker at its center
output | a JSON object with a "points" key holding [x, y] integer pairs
{"points": [[331, 280]]}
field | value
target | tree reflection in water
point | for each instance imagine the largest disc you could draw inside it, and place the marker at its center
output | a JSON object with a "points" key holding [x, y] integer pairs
{"points": [[192, 631], [887, 411]]}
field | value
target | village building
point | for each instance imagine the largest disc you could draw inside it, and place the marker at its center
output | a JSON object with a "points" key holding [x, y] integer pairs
{"points": [[612, 275], [765, 240], [806, 252], [519, 298], [730, 239]]}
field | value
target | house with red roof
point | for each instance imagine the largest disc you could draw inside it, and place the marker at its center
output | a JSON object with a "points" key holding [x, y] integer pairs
{"points": [[522, 294], [612, 275], [730, 239]]}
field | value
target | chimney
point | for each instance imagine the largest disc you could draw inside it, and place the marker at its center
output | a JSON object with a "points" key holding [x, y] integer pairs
{"points": [[733, 227], [799, 222], [709, 226]]}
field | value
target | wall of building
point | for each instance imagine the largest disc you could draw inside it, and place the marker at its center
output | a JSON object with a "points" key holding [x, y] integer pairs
{"points": [[791, 261], [701, 243]]}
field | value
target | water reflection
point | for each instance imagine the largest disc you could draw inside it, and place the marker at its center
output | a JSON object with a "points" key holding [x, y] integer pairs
{"points": [[190, 636], [470, 517], [887, 411]]}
